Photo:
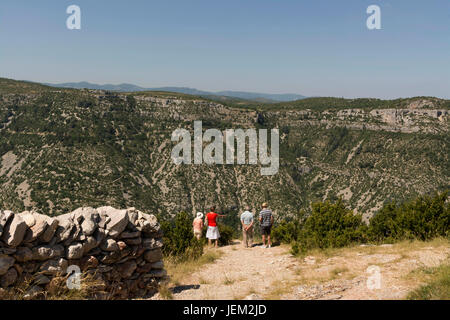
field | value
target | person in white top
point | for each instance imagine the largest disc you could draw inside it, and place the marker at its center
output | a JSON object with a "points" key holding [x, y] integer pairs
{"points": [[198, 225]]}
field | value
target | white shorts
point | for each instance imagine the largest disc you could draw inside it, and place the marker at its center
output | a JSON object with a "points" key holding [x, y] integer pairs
{"points": [[198, 233], [213, 233]]}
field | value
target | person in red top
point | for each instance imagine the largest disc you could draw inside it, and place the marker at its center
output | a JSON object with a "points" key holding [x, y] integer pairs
{"points": [[213, 230]]}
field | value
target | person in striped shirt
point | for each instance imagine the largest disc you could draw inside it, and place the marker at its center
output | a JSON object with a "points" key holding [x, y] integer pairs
{"points": [[266, 222]]}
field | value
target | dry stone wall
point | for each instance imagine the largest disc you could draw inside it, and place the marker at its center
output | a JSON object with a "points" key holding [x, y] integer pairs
{"points": [[121, 249]]}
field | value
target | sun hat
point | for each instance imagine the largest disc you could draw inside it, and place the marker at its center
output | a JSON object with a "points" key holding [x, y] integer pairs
{"points": [[199, 215]]}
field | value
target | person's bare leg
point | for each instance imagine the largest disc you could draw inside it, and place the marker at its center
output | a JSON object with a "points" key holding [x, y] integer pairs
{"points": [[217, 243], [269, 242], [209, 242], [264, 240]]}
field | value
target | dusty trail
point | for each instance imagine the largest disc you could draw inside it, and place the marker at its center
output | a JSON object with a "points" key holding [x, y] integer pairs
{"points": [[260, 273]]}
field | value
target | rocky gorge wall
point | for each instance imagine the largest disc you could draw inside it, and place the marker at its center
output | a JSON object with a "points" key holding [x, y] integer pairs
{"points": [[120, 249]]}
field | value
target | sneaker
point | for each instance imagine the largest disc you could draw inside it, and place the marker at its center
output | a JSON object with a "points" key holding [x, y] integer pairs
{"points": [[270, 246]]}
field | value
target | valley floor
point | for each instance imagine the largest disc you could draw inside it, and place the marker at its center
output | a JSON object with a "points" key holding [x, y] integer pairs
{"points": [[337, 274]]}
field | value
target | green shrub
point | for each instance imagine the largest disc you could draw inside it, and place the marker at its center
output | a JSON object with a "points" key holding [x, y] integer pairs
{"points": [[295, 249], [179, 240], [331, 225], [424, 218], [226, 234], [287, 231]]}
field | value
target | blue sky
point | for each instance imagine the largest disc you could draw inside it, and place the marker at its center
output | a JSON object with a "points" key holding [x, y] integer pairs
{"points": [[310, 47]]}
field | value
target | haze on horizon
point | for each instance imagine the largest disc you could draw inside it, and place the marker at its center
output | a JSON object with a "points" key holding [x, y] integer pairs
{"points": [[312, 48]]}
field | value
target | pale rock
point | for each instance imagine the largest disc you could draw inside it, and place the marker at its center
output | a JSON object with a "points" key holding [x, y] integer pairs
{"points": [[119, 220], [53, 267], [4, 218], [89, 218], [65, 227], [29, 218], [122, 245], [104, 219], [37, 229], [52, 225], [132, 215], [109, 245], [14, 231], [74, 251], [149, 244], [89, 244], [46, 252], [76, 216], [147, 223]]}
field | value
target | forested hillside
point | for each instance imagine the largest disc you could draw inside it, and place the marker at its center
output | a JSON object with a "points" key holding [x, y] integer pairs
{"points": [[61, 149]]}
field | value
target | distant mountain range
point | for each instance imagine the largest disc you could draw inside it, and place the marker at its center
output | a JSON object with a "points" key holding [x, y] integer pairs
{"points": [[126, 87]]}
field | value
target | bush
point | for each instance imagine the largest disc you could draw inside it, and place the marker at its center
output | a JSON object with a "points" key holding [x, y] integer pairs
{"points": [[287, 231], [331, 226], [179, 240], [424, 218], [295, 249], [226, 234]]}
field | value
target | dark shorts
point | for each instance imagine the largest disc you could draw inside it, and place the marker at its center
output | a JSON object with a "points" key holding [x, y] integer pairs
{"points": [[265, 231]]}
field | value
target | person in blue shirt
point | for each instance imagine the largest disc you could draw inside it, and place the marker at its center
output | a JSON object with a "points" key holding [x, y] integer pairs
{"points": [[247, 227]]}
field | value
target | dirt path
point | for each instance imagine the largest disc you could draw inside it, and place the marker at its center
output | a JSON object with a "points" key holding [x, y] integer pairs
{"points": [[260, 273]]}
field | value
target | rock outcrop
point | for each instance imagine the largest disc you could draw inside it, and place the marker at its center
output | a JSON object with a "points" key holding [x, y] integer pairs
{"points": [[121, 249]]}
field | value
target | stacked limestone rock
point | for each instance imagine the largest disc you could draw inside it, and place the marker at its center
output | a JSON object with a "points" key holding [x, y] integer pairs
{"points": [[120, 248]]}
